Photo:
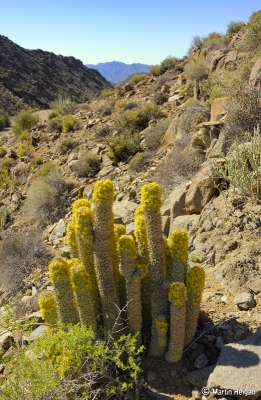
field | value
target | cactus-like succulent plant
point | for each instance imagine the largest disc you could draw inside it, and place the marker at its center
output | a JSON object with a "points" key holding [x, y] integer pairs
{"points": [[83, 292], [128, 256], [151, 203], [104, 251], [195, 280], [60, 276], [177, 297], [178, 245], [47, 306]]}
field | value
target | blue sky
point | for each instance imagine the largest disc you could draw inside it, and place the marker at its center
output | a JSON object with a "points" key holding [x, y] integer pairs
{"points": [[129, 31]]}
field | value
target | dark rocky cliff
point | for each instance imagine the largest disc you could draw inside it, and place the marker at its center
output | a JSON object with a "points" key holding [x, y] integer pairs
{"points": [[35, 77]]}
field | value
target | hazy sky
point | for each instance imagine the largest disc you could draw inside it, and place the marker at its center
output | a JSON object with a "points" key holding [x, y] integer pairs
{"points": [[123, 30]]}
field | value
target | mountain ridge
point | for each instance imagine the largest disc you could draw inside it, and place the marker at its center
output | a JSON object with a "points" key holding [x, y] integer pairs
{"points": [[117, 71]]}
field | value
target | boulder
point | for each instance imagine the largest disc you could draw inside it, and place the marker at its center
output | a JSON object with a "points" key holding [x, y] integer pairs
{"points": [[218, 108], [239, 367], [230, 60], [201, 190], [176, 201], [124, 209], [188, 222], [245, 301], [58, 231]]}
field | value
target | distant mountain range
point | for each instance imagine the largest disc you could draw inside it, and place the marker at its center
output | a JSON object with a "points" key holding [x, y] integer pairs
{"points": [[35, 78], [116, 71]]}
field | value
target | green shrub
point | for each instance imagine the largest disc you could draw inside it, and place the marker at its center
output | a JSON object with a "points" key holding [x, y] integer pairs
{"points": [[7, 163], [138, 78], [62, 105], [36, 161], [252, 39], [69, 362], [3, 152], [46, 168], [24, 136], [234, 27], [216, 41], [241, 168], [88, 164], [138, 119], [17, 91], [4, 119], [24, 120], [154, 135], [24, 150], [68, 144], [106, 93], [168, 63], [68, 123], [47, 199], [4, 179], [122, 147], [197, 70], [139, 162], [160, 98]]}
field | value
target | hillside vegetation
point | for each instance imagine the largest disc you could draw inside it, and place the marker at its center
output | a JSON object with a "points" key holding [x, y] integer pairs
{"points": [[167, 166]]}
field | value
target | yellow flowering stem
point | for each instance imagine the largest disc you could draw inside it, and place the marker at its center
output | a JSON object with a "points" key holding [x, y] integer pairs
{"points": [[151, 203], [66, 307], [159, 332], [80, 203], [128, 256], [83, 221], [119, 230], [143, 264], [177, 298], [104, 252], [71, 239], [178, 244], [82, 288], [195, 280], [47, 306]]}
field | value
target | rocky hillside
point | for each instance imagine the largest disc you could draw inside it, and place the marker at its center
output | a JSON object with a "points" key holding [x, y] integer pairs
{"points": [[184, 127], [35, 78], [116, 71]]}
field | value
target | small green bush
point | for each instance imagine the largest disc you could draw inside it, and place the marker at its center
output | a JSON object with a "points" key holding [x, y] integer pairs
{"points": [[24, 136], [139, 162], [69, 362], [160, 98], [24, 120], [124, 146], [138, 78], [155, 70], [197, 42], [88, 164], [68, 143], [24, 150], [3, 152], [106, 93], [36, 161], [197, 70], [252, 40], [7, 163], [4, 179], [138, 119], [4, 119], [168, 63], [234, 27], [17, 91], [68, 123], [46, 168]]}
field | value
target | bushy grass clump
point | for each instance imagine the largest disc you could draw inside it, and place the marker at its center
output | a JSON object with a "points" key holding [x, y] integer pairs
{"points": [[24, 120]]}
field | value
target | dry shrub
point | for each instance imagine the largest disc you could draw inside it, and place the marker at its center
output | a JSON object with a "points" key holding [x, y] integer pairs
{"points": [[139, 161], [87, 165], [197, 70], [154, 135], [181, 164], [196, 112], [47, 200], [19, 254]]}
